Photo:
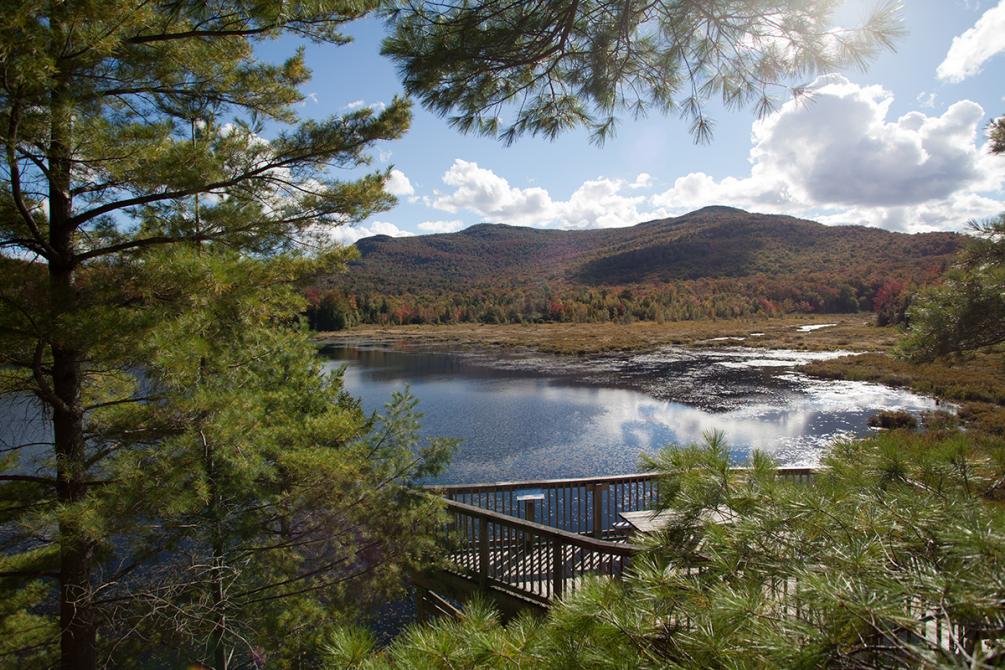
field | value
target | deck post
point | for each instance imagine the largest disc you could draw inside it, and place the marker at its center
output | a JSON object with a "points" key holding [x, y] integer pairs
{"points": [[422, 613], [528, 508], [557, 568], [483, 552], [598, 500]]}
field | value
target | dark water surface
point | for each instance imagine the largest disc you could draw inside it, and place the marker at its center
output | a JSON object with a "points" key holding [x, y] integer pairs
{"points": [[528, 416]]}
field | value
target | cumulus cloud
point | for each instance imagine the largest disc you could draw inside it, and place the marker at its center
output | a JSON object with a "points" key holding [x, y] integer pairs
{"points": [[451, 226], [643, 180], [350, 234], [837, 157], [862, 158], [398, 184], [841, 153], [598, 203], [976, 46], [484, 192]]}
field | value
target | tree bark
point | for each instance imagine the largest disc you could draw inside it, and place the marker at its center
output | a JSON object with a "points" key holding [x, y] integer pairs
{"points": [[76, 611], [214, 512]]}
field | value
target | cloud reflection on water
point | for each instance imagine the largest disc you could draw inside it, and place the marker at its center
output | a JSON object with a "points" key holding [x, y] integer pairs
{"points": [[542, 417]]}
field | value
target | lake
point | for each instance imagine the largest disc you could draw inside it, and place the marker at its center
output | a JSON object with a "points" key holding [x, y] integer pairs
{"points": [[525, 415]]}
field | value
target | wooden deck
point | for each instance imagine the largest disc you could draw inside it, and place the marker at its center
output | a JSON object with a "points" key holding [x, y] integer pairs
{"points": [[525, 544], [531, 542], [525, 558]]}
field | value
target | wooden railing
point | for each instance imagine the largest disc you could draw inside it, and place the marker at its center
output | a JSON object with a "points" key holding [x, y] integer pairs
{"points": [[586, 506], [525, 558], [538, 540]]}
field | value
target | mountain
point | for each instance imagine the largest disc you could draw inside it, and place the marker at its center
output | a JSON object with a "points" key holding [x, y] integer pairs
{"points": [[710, 242], [712, 251]]}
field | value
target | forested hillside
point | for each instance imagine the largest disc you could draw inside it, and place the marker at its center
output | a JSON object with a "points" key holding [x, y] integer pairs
{"points": [[714, 262]]}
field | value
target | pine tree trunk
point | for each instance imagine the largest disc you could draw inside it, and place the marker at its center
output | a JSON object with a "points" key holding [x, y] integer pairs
{"points": [[214, 512], [76, 612], [76, 615]]}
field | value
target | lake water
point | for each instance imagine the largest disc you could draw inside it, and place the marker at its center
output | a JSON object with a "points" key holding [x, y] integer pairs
{"points": [[524, 415]]}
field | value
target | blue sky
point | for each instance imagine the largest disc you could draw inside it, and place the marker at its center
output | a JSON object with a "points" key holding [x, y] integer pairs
{"points": [[898, 146]]}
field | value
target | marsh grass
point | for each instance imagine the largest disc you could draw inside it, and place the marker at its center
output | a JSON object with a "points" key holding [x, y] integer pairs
{"points": [[852, 332]]}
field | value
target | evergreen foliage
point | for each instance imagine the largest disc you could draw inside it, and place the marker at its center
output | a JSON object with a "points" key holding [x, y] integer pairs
{"points": [[849, 571], [281, 508], [996, 134], [199, 491], [966, 311], [193, 483], [547, 66]]}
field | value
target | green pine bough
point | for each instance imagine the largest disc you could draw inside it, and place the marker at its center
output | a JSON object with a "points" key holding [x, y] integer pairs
{"points": [[892, 557]]}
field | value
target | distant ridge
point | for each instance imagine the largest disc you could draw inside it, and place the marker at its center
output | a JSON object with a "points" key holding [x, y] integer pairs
{"points": [[690, 264], [714, 241]]}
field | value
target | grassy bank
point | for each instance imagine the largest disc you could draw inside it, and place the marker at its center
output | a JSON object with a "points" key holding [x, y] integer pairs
{"points": [[852, 332]]}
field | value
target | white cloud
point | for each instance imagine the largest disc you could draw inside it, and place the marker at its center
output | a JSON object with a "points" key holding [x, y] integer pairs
{"points": [[838, 158], [489, 195], [350, 234], [926, 100], [976, 46], [643, 180], [357, 104], [598, 203], [398, 184], [451, 226]]}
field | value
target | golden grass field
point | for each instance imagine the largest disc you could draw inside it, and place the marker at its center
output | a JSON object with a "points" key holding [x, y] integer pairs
{"points": [[853, 332]]}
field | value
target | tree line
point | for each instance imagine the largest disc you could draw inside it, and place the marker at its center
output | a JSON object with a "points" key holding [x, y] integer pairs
{"points": [[718, 298]]}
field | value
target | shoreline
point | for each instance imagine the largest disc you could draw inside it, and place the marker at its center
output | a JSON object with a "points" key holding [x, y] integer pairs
{"points": [[975, 384], [833, 332]]}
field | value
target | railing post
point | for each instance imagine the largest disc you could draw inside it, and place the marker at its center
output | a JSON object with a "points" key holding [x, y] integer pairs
{"points": [[422, 613], [557, 568], [598, 499], [483, 552]]}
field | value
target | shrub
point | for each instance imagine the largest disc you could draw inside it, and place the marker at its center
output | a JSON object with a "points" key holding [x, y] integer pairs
{"points": [[892, 419]]}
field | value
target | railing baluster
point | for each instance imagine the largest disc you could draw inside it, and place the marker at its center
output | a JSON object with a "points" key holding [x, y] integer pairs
{"points": [[598, 499], [483, 552]]}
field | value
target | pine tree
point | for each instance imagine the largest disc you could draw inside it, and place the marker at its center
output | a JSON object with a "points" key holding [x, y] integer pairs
{"points": [[285, 507], [996, 133], [966, 310], [129, 128], [550, 65]]}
